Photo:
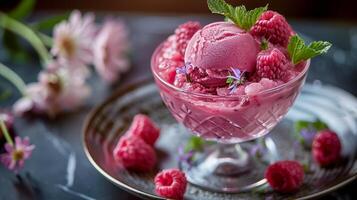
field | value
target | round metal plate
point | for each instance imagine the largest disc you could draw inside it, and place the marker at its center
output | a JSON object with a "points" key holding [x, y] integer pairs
{"points": [[109, 121]]}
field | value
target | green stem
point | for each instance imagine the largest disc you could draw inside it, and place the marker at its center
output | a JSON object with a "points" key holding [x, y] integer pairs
{"points": [[11, 76], [21, 29], [5, 132], [47, 40]]}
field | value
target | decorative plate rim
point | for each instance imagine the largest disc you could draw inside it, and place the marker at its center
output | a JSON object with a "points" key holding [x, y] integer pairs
{"points": [[121, 91]]}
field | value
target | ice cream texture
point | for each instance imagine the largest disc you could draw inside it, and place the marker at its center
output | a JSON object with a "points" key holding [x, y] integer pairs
{"points": [[253, 51], [222, 45], [237, 78], [211, 55]]}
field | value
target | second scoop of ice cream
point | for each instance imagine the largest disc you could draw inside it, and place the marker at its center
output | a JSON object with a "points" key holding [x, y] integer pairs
{"points": [[222, 45]]}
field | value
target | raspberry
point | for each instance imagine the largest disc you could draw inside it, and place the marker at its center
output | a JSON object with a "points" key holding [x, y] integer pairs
{"points": [[272, 64], [169, 50], [170, 183], [168, 74], [143, 127], [254, 77], [168, 61], [273, 27], [134, 154], [285, 176], [184, 33], [326, 148]]}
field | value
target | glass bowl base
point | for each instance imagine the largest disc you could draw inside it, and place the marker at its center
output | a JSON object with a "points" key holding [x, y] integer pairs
{"points": [[227, 168]]}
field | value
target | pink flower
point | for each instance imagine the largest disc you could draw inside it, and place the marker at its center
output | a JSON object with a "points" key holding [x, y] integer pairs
{"points": [[58, 89], [73, 39], [73, 92], [110, 48], [15, 156]]}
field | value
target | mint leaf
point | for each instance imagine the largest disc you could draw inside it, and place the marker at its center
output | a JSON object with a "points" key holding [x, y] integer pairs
{"points": [[251, 16], [194, 144], [226, 19], [319, 125], [298, 50], [238, 15], [229, 80], [301, 124], [294, 47], [320, 47], [220, 7], [264, 44]]}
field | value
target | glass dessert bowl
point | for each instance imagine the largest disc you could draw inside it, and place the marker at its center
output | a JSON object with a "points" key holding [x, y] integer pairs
{"points": [[232, 82], [228, 120]]}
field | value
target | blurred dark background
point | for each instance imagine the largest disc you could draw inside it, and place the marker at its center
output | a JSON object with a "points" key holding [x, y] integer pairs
{"points": [[332, 10], [338, 67]]}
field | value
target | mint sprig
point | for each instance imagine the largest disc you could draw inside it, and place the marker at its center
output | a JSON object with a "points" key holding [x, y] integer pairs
{"points": [[230, 79], [317, 124], [305, 131], [239, 15], [299, 51], [194, 144], [264, 45]]}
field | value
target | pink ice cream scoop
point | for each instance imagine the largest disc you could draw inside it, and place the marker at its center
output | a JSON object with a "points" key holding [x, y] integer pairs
{"points": [[222, 45]]}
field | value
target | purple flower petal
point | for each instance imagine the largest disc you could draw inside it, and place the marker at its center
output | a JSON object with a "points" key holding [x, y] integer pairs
{"points": [[9, 147], [12, 165], [180, 150], [237, 72], [237, 77], [181, 70], [184, 69], [308, 135], [233, 88], [18, 141], [16, 155], [254, 150], [26, 141], [20, 164]]}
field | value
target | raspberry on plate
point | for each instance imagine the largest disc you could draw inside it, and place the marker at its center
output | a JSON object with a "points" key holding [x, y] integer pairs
{"points": [[285, 176], [184, 33], [273, 27], [134, 154], [326, 148], [143, 127], [272, 64], [170, 183]]}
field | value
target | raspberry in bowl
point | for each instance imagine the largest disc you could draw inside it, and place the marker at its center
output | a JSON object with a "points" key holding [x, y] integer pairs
{"points": [[235, 81]]}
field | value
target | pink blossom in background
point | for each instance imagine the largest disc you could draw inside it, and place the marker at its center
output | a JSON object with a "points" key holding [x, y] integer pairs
{"points": [[58, 89], [74, 90], [110, 50], [73, 39], [33, 102], [15, 156]]}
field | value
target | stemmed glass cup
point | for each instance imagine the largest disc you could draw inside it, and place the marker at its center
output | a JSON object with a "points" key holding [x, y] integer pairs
{"points": [[230, 121]]}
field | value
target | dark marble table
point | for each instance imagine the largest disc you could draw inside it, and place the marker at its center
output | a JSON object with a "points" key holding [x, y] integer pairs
{"points": [[59, 168]]}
